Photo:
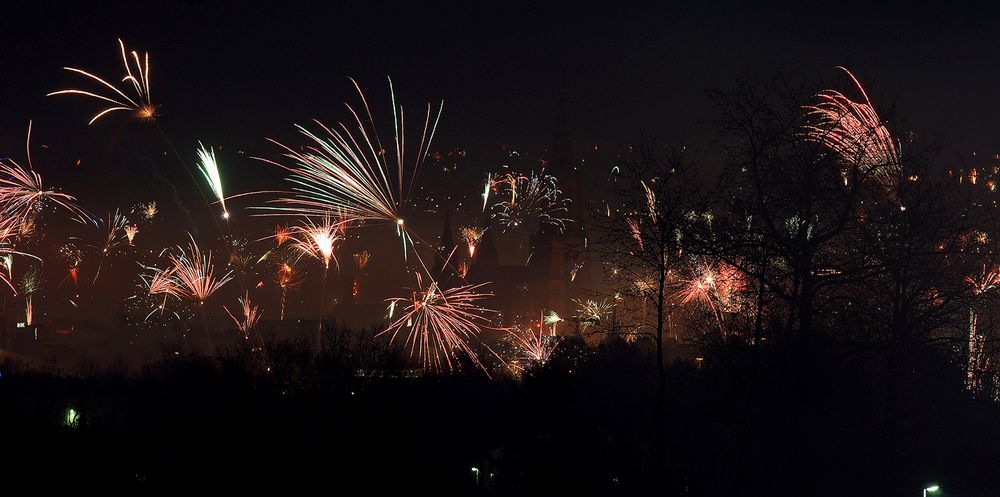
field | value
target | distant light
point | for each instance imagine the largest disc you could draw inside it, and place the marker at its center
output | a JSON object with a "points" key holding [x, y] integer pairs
{"points": [[476, 470], [225, 215], [933, 488]]}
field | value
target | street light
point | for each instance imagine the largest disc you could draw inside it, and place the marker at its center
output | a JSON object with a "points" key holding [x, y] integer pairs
{"points": [[476, 471], [933, 489]]}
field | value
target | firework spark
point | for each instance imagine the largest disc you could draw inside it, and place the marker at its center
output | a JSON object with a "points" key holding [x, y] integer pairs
{"points": [[140, 104], [208, 166], [440, 323]]}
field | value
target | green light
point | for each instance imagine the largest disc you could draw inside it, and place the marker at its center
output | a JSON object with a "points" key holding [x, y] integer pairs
{"points": [[72, 419], [933, 488]]}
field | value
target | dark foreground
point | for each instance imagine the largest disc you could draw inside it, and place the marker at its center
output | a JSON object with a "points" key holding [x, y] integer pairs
{"points": [[354, 421]]}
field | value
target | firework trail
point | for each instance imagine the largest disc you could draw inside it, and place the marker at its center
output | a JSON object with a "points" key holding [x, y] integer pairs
{"points": [[438, 324], [208, 166], [140, 103], [347, 168], [855, 132], [249, 317], [531, 197]]}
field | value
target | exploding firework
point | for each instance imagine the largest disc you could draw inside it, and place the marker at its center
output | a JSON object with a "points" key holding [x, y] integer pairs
{"points": [[209, 168], [148, 210], [249, 316], [439, 324], [636, 228], [591, 312], [471, 236], [111, 240], [288, 278], [160, 282], [23, 195], [140, 103], [130, 232], [194, 273], [281, 234], [319, 240], [530, 197], [360, 262], [348, 168], [855, 132], [534, 348]]}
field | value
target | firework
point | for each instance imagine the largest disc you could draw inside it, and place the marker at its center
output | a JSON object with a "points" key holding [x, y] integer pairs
{"points": [[112, 226], [636, 228], [249, 318], [130, 232], [531, 197], [592, 312], [650, 201], [440, 323], [23, 195], [987, 279], [463, 269], [348, 168], [855, 132], [157, 282], [148, 210], [195, 275], [209, 168], [471, 236], [281, 234], [533, 347], [360, 262], [319, 240], [140, 103]]}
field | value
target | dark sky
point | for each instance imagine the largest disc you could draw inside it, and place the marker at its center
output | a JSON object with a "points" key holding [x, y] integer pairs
{"points": [[231, 74]]}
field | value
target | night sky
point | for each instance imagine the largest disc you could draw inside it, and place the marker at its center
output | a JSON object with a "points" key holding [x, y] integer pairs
{"points": [[232, 75]]}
